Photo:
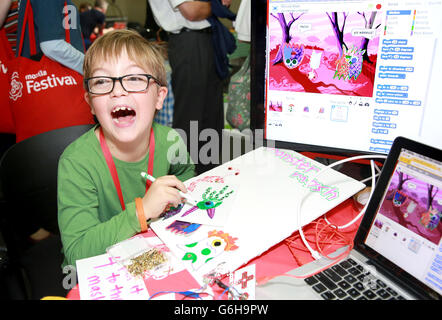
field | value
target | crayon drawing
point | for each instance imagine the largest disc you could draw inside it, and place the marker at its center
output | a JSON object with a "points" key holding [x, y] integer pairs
{"points": [[210, 200], [182, 227], [202, 251], [215, 203]]}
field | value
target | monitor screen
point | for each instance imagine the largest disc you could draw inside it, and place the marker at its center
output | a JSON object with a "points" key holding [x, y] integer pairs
{"points": [[350, 76], [407, 225]]}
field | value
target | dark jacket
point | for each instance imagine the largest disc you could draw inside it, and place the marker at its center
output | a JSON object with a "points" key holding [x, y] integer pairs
{"points": [[223, 40]]}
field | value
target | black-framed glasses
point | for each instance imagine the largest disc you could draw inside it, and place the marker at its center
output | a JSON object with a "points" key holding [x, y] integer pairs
{"points": [[129, 82]]}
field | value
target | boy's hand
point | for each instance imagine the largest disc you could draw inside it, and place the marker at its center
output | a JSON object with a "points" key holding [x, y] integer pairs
{"points": [[162, 192]]}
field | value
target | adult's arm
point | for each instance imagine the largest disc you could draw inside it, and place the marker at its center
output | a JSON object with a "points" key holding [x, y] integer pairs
{"points": [[4, 9], [64, 53], [195, 10]]}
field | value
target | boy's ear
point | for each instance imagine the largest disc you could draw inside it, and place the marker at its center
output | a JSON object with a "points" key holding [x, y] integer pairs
{"points": [[162, 93], [87, 98]]}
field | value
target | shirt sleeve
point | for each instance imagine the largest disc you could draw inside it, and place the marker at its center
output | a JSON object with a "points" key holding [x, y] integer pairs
{"points": [[64, 53], [83, 233], [243, 21], [175, 3]]}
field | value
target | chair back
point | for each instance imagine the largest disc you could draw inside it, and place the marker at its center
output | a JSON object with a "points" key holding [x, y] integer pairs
{"points": [[28, 178]]}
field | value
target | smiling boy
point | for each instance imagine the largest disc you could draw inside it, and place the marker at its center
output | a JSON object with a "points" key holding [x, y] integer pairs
{"points": [[102, 198]]}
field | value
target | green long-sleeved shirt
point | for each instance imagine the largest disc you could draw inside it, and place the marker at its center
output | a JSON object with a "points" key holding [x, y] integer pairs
{"points": [[90, 216]]}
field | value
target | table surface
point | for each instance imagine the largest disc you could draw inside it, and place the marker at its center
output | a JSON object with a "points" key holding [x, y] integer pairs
{"points": [[284, 258]]}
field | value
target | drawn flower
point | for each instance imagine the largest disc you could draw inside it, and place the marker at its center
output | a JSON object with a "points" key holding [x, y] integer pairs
{"points": [[210, 201]]}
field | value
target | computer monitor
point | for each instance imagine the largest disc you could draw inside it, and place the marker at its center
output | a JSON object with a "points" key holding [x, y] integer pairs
{"points": [[337, 76]]}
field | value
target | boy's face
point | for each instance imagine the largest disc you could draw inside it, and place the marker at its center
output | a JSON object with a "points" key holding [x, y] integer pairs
{"points": [[123, 116]]}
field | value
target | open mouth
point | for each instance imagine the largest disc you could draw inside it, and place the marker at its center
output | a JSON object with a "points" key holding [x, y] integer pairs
{"points": [[123, 115]]}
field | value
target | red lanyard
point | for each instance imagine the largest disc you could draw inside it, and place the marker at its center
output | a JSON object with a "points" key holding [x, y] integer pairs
{"points": [[113, 170]]}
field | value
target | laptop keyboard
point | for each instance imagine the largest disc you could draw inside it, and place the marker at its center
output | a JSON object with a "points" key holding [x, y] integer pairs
{"points": [[348, 280]]}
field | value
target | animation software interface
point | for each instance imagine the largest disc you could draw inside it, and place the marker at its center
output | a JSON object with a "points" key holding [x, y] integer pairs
{"points": [[408, 226], [353, 74]]}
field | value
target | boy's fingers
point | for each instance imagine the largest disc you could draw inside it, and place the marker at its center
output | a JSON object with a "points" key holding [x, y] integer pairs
{"points": [[173, 196], [174, 182]]}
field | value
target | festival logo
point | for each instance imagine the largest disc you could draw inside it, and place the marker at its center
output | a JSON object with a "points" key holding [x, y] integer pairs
{"points": [[16, 87]]}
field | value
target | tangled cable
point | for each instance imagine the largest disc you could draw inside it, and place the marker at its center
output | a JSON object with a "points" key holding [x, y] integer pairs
{"points": [[315, 254], [323, 232]]}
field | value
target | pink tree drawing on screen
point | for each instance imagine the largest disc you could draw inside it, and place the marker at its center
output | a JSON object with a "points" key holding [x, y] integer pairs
{"points": [[432, 191], [285, 28], [338, 30], [414, 204], [323, 53], [369, 23]]}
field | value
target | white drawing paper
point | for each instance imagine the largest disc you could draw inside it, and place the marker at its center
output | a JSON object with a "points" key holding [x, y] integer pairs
{"points": [[272, 184], [103, 278]]}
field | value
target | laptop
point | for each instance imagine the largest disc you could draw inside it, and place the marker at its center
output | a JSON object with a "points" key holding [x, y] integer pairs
{"points": [[397, 250]]}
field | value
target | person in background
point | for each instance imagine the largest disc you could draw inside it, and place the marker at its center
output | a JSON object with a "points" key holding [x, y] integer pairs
{"points": [[243, 21], [50, 30], [197, 88], [9, 19], [93, 22], [126, 84], [238, 97], [165, 115], [84, 7]]}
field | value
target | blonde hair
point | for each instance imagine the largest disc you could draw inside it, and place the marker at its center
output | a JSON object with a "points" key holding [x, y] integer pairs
{"points": [[112, 44]]}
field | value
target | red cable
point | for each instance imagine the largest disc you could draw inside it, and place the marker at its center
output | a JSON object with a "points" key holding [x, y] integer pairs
{"points": [[322, 236]]}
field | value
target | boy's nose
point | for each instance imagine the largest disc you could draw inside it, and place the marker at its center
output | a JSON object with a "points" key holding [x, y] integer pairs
{"points": [[118, 89]]}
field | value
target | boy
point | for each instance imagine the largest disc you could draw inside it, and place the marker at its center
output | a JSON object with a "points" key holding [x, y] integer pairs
{"points": [[102, 197]]}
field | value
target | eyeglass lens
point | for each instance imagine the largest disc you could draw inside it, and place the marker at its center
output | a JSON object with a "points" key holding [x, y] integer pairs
{"points": [[130, 83]]}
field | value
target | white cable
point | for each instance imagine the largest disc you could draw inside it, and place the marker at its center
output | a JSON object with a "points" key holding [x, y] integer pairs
{"points": [[369, 178], [315, 254], [373, 182]]}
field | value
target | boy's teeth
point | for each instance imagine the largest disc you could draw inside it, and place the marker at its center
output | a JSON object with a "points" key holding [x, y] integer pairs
{"points": [[121, 108]]}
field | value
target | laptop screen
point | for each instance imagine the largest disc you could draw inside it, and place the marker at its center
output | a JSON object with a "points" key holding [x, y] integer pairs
{"points": [[407, 227]]}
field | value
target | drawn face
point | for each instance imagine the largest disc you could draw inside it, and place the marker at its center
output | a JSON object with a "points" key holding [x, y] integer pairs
{"points": [[208, 204], [200, 252], [292, 55], [399, 199]]}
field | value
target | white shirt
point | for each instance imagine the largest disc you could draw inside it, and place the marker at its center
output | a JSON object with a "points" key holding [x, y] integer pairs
{"points": [[243, 20], [169, 17]]}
